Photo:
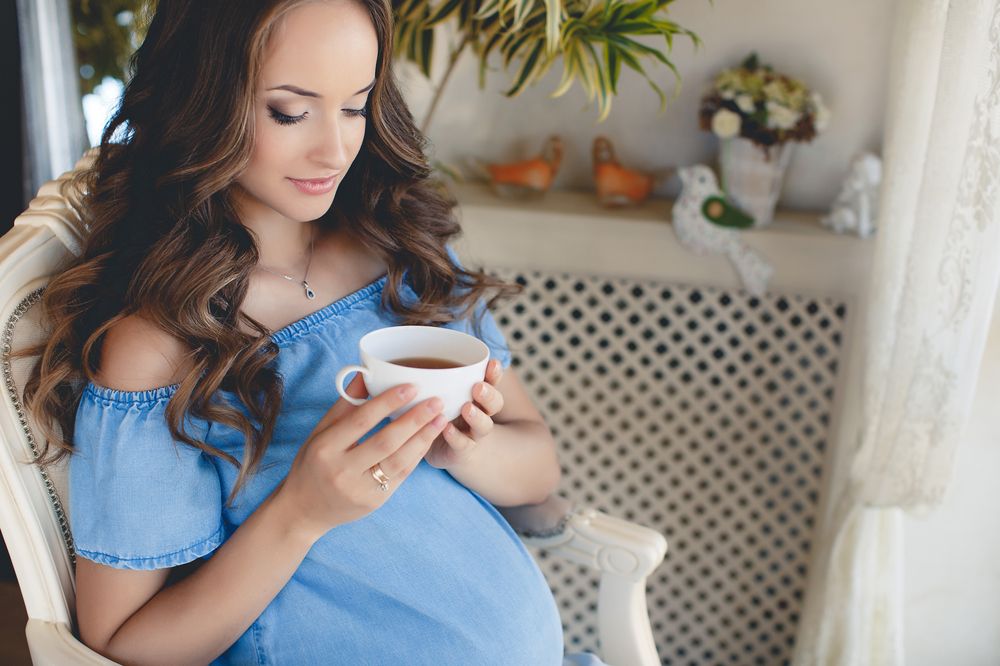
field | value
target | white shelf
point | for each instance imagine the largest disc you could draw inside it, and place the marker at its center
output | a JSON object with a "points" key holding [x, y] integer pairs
{"points": [[571, 232]]}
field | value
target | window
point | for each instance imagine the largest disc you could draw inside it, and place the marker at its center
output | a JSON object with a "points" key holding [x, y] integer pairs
{"points": [[105, 34]]}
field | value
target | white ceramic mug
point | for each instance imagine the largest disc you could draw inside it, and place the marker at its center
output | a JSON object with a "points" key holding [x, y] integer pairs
{"points": [[452, 385]]}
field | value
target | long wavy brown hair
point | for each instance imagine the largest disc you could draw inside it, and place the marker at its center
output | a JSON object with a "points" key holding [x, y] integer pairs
{"points": [[165, 241]]}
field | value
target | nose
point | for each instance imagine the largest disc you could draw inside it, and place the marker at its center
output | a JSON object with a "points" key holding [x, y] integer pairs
{"points": [[330, 148]]}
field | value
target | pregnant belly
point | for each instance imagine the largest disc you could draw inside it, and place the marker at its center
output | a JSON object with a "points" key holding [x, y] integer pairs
{"points": [[435, 576]]}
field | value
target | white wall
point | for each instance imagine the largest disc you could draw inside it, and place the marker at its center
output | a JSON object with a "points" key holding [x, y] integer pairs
{"points": [[952, 574], [838, 48]]}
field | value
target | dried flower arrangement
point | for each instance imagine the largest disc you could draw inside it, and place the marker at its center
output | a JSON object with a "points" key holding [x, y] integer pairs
{"points": [[760, 104]]}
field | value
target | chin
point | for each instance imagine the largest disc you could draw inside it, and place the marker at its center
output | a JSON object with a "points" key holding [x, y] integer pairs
{"points": [[306, 213]]}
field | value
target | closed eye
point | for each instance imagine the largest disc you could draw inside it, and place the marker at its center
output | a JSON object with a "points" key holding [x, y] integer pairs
{"points": [[285, 119]]}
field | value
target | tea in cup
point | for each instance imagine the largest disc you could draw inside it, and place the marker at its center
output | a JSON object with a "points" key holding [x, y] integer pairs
{"points": [[439, 362]]}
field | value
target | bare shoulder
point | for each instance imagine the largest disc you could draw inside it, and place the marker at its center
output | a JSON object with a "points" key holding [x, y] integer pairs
{"points": [[137, 355]]}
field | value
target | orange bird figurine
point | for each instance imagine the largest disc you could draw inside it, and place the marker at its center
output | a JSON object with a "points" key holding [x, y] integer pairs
{"points": [[527, 177], [618, 185]]}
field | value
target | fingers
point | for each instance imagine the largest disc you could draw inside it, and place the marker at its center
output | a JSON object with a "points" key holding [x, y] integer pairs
{"points": [[494, 371], [458, 440], [405, 459], [389, 439], [480, 424], [488, 398], [354, 422]]}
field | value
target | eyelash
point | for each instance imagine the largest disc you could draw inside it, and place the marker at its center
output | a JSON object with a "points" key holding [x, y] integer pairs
{"points": [[283, 119]]}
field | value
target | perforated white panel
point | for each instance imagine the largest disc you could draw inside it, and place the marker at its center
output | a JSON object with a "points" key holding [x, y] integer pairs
{"points": [[697, 412]]}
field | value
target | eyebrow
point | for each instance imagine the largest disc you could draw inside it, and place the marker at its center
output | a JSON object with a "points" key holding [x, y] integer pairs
{"points": [[309, 93]]}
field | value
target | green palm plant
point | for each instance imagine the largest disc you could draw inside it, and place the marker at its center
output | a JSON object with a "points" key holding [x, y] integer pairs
{"points": [[594, 38]]}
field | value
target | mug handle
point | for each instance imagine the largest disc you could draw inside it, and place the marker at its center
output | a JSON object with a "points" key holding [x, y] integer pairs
{"points": [[339, 382]]}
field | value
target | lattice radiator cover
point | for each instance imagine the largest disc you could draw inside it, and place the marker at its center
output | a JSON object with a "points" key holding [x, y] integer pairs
{"points": [[702, 413]]}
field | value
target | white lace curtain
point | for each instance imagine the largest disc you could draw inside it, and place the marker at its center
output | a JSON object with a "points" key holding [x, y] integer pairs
{"points": [[922, 331]]}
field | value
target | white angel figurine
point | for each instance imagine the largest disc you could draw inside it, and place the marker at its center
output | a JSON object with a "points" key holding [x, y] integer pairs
{"points": [[856, 207]]}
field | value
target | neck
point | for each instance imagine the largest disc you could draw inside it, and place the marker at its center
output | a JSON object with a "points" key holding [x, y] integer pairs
{"points": [[282, 244], [287, 255]]}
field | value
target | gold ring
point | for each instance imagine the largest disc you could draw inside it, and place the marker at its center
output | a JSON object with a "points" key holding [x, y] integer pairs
{"points": [[380, 478]]}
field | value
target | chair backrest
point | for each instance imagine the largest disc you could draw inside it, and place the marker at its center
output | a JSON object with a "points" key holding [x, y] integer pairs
{"points": [[33, 506]]}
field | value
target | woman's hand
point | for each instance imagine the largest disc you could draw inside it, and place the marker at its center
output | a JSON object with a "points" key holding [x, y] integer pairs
{"points": [[458, 440], [333, 482]]}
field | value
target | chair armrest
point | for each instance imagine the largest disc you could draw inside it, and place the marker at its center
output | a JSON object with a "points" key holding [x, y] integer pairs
{"points": [[624, 553], [612, 545], [53, 644]]}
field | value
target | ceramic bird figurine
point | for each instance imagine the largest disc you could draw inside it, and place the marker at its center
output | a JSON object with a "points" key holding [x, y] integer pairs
{"points": [[531, 177], [700, 191], [618, 185]]}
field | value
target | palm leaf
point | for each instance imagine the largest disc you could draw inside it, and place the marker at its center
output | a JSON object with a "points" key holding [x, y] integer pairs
{"points": [[444, 12], [613, 63], [603, 91], [590, 75], [570, 70], [521, 9], [425, 51], [528, 70], [486, 9], [553, 19]]}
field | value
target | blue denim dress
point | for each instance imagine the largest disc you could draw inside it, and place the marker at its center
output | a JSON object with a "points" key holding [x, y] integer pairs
{"points": [[435, 576]]}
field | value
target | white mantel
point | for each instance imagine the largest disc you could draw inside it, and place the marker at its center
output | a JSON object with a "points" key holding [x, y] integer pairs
{"points": [[570, 231]]}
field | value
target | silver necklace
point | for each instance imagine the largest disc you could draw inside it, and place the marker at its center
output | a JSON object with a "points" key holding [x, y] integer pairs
{"points": [[310, 294]]}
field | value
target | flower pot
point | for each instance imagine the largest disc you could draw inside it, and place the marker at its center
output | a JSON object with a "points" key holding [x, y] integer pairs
{"points": [[752, 176]]}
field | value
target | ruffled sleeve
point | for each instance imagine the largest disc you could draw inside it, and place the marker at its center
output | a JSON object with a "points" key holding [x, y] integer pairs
{"points": [[138, 499]]}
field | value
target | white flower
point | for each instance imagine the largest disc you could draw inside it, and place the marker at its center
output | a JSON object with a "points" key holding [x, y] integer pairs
{"points": [[745, 102], [726, 124], [781, 117], [822, 119], [727, 94]]}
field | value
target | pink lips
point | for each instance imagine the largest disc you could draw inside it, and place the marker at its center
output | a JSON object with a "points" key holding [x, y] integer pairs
{"points": [[315, 186]]}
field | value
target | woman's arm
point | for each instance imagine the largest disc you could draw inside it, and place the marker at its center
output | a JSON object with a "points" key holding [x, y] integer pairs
{"points": [[137, 617], [128, 617], [510, 457]]}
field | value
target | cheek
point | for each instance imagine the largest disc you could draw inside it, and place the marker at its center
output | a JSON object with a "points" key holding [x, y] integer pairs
{"points": [[357, 138], [272, 159], [270, 148]]}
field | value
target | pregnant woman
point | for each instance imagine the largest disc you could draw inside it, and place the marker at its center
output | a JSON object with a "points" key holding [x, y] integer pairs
{"points": [[261, 201]]}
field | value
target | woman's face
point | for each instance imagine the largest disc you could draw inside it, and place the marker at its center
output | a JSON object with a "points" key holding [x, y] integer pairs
{"points": [[310, 105]]}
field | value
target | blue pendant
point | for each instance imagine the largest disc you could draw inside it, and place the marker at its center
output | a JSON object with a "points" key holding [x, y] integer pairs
{"points": [[310, 294]]}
